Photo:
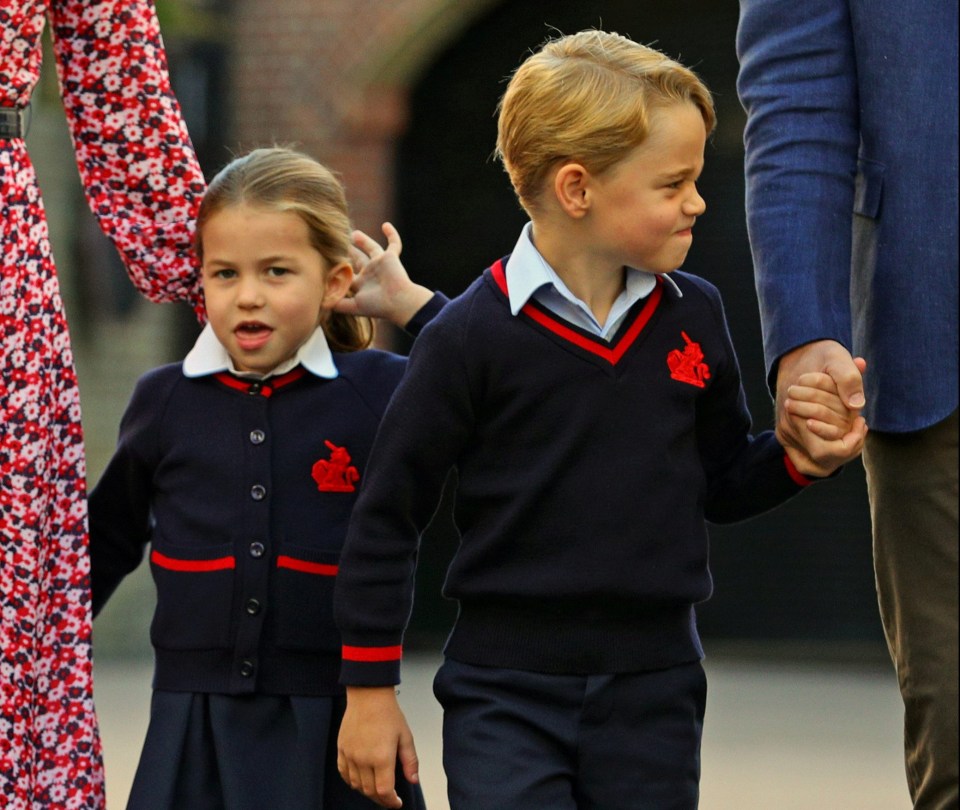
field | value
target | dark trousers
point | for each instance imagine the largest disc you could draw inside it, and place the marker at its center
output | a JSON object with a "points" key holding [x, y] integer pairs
{"points": [[516, 740], [912, 482]]}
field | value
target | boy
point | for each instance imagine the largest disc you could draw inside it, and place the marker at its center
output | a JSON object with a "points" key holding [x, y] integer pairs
{"points": [[592, 406]]}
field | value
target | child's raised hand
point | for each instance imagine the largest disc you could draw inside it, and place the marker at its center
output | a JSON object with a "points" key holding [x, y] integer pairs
{"points": [[831, 433], [381, 287]]}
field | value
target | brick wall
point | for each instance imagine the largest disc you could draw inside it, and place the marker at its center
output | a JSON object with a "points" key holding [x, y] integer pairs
{"points": [[332, 78]]}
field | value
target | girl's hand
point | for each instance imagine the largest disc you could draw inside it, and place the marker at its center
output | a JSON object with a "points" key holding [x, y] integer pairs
{"points": [[381, 287]]}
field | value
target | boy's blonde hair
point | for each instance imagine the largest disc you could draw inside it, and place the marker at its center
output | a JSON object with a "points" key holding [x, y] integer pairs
{"points": [[588, 98], [284, 180]]}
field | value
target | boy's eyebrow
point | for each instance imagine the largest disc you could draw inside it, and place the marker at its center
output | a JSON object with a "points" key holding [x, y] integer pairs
{"points": [[679, 171]]}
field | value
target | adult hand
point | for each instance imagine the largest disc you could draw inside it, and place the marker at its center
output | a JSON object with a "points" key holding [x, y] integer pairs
{"points": [[820, 453], [373, 735], [381, 287]]}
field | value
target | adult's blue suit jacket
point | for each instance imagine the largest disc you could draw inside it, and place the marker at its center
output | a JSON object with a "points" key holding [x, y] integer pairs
{"points": [[851, 166]]}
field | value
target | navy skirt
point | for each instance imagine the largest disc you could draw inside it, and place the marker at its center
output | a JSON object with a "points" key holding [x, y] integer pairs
{"points": [[247, 752]]}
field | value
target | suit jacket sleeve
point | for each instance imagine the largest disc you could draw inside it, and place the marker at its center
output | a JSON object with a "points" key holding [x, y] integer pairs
{"points": [[139, 170], [797, 83]]}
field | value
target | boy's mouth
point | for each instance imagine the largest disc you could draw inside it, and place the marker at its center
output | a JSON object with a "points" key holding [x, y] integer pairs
{"points": [[252, 335]]}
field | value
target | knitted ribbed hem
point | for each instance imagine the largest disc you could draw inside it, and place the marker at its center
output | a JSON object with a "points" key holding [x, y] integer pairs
{"points": [[280, 672], [557, 640]]}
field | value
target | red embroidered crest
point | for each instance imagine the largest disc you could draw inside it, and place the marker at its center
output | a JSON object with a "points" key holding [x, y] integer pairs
{"points": [[335, 474], [687, 365]]}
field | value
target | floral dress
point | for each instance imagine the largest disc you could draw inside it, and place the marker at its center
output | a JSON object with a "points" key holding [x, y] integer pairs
{"points": [[143, 183]]}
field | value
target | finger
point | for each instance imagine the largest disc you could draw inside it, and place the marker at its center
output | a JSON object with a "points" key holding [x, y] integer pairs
{"points": [[358, 259], [394, 242], [384, 793], [849, 382], [826, 399], [814, 410], [409, 762], [347, 306], [824, 430], [367, 244]]}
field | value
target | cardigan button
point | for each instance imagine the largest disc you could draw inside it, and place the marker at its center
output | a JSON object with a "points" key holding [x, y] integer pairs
{"points": [[257, 550], [254, 389], [247, 667], [253, 606], [257, 436], [258, 492]]}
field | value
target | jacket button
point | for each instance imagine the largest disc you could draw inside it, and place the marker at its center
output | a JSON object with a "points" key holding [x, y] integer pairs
{"points": [[258, 492], [257, 550], [253, 606], [257, 436], [247, 667], [254, 389]]}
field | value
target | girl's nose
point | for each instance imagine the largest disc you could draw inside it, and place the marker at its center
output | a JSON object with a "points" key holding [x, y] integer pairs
{"points": [[250, 294]]}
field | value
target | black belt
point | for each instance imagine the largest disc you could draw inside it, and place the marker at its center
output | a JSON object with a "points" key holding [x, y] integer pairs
{"points": [[13, 122]]}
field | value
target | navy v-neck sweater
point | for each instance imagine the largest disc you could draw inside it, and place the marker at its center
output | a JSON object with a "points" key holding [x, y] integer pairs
{"points": [[586, 473]]}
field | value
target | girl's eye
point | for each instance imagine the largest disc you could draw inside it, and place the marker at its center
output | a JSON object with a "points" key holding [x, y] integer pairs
{"points": [[225, 273], [277, 271]]}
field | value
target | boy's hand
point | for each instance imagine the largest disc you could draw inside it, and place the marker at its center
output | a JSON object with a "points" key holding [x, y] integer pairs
{"points": [[381, 287], [829, 434], [373, 735]]}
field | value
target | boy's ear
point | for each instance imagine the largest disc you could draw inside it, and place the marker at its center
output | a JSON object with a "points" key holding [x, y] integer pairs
{"points": [[338, 281], [571, 185]]}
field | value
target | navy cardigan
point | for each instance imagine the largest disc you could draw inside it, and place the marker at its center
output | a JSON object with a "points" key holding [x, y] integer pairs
{"points": [[586, 473], [244, 492]]}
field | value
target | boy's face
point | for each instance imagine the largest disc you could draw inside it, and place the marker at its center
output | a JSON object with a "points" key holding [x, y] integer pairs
{"points": [[264, 284], [644, 207]]}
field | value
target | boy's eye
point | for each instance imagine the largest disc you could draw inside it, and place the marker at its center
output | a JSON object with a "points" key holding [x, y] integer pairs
{"points": [[277, 271], [224, 273]]}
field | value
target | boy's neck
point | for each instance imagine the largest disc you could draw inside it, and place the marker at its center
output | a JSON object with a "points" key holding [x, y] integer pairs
{"points": [[591, 280]]}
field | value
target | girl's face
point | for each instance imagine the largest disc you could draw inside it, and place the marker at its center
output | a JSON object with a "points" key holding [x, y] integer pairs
{"points": [[265, 285]]}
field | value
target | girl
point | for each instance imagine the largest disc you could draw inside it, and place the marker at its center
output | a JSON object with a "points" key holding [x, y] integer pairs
{"points": [[240, 467]]}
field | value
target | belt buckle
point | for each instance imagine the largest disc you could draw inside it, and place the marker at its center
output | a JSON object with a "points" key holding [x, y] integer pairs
{"points": [[12, 123]]}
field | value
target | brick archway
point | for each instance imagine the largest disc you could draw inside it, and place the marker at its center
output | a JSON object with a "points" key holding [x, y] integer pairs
{"points": [[332, 78]]}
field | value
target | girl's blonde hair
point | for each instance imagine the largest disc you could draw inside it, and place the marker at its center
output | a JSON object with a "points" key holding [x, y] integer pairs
{"points": [[284, 180], [587, 97]]}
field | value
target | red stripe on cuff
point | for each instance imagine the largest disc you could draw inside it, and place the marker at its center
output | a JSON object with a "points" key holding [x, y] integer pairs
{"points": [[294, 564], [798, 477], [218, 564], [372, 654]]}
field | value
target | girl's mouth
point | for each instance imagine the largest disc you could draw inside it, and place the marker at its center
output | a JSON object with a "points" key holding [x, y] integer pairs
{"points": [[252, 336]]}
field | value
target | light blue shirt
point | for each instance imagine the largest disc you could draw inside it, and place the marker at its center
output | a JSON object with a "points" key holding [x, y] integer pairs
{"points": [[530, 276]]}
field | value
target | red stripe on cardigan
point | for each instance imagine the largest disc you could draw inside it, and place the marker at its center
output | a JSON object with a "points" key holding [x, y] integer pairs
{"points": [[611, 354], [372, 654], [218, 564], [325, 570]]}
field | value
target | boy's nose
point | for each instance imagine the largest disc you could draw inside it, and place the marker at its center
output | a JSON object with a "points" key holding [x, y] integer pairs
{"points": [[695, 205]]}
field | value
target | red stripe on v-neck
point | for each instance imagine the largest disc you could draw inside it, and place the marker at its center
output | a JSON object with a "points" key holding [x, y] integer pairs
{"points": [[611, 354]]}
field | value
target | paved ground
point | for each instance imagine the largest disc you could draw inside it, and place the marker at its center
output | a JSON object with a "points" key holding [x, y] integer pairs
{"points": [[778, 735]]}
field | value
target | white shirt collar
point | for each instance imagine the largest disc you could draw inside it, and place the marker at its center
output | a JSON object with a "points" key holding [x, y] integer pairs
{"points": [[527, 271], [208, 356]]}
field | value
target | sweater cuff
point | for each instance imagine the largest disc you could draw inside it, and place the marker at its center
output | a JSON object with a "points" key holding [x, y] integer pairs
{"points": [[370, 666], [426, 313], [802, 480]]}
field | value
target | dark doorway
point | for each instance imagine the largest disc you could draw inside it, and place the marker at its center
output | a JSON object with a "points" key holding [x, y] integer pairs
{"points": [[803, 572]]}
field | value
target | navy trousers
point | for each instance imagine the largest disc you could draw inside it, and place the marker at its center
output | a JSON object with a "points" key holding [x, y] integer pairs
{"points": [[515, 740]]}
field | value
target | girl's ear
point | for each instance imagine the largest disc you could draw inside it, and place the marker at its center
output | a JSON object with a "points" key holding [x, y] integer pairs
{"points": [[337, 284], [571, 185]]}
